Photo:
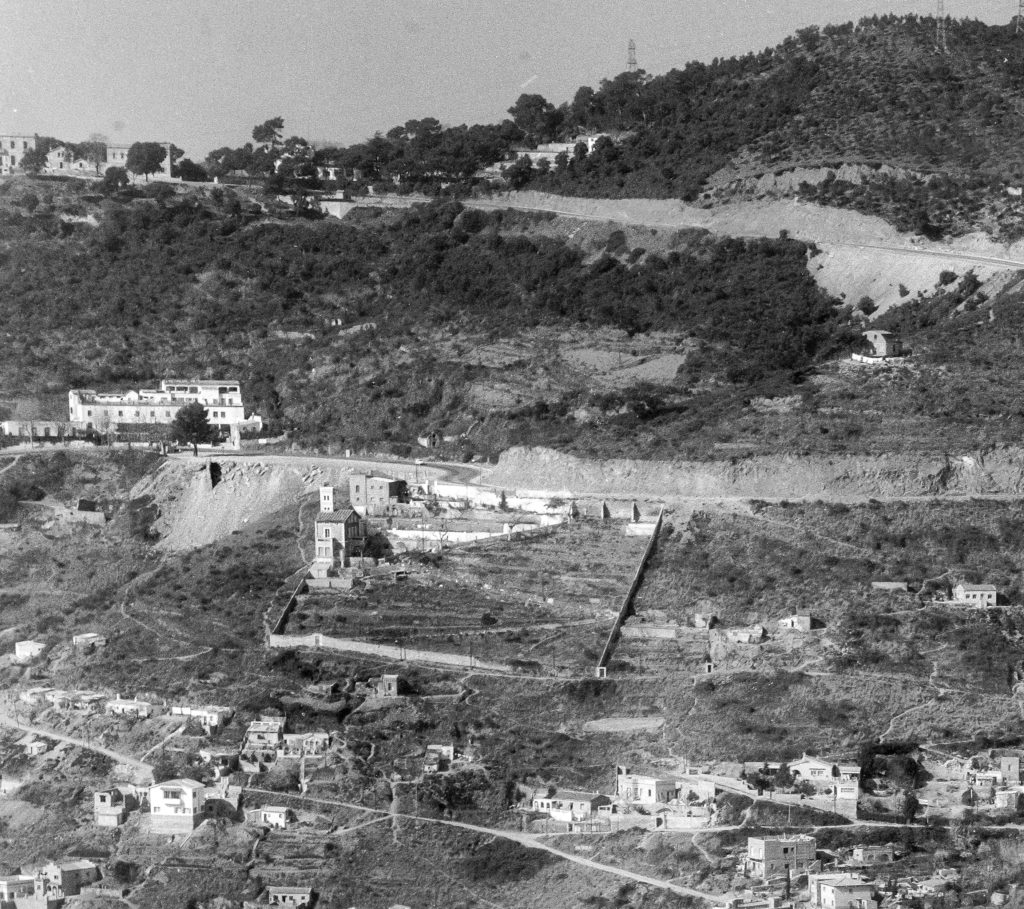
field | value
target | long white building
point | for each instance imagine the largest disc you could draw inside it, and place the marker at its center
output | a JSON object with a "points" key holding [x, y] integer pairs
{"points": [[89, 409]]}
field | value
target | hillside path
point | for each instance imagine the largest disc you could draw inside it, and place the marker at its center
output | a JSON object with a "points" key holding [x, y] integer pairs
{"points": [[529, 840], [146, 770]]}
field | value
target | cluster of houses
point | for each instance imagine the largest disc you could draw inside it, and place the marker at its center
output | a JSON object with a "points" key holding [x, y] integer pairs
{"points": [[48, 886], [690, 801], [637, 797], [839, 881], [94, 411], [63, 160], [210, 717]]}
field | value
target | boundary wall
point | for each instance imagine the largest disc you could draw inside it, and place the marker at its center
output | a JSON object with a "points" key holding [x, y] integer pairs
{"points": [[390, 651], [627, 603]]}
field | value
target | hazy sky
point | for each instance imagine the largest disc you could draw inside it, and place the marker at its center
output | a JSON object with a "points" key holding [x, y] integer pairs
{"points": [[201, 73]]}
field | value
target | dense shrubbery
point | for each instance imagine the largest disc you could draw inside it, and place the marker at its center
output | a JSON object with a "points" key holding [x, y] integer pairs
{"points": [[178, 288]]}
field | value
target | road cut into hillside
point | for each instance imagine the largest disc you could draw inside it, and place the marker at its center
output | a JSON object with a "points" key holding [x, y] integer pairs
{"points": [[850, 478], [860, 255]]}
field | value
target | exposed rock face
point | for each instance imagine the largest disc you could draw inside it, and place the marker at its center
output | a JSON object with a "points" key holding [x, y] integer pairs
{"points": [[846, 477]]}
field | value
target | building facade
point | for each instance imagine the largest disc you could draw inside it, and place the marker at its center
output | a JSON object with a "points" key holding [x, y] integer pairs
{"points": [[176, 806], [340, 533], [779, 856], [222, 399], [12, 149], [117, 156], [373, 495], [975, 594]]}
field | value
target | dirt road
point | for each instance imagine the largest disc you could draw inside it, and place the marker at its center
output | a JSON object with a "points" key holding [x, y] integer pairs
{"points": [[142, 769], [529, 840]]}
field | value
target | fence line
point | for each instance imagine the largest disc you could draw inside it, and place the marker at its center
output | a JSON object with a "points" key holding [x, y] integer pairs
{"points": [[627, 603]]}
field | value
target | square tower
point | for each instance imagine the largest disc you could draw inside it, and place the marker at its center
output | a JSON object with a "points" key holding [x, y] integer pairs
{"points": [[328, 499]]}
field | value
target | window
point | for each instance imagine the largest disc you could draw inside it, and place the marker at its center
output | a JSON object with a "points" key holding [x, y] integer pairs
{"points": [[120, 413], [88, 413]]}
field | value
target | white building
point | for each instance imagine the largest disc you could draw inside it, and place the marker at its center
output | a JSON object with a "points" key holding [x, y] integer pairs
{"points": [[568, 804], [274, 816], [222, 399], [129, 707], [26, 651], [12, 149], [643, 790], [209, 717], [975, 594], [841, 891], [176, 806]]}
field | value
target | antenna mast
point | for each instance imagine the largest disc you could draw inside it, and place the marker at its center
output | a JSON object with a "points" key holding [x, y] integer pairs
{"points": [[631, 54], [940, 28], [1020, 16]]}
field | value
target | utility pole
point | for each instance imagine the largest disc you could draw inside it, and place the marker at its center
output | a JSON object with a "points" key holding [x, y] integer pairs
{"points": [[631, 56], [1020, 16]]}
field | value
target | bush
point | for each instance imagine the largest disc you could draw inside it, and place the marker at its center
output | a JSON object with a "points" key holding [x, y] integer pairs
{"points": [[502, 861]]}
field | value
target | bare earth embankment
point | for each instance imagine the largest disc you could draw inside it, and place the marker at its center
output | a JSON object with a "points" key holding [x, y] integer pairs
{"points": [[843, 478], [860, 255]]}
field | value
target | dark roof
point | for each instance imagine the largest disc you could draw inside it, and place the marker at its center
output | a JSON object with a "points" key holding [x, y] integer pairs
{"points": [[335, 517]]}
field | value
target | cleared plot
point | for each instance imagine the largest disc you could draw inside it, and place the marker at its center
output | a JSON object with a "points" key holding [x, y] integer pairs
{"points": [[547, 600]]}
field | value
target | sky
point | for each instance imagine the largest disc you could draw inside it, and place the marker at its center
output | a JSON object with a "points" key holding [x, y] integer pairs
{"points": [[202, 73]]}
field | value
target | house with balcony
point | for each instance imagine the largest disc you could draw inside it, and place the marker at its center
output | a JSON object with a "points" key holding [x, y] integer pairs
{"points": [[176, 806]]}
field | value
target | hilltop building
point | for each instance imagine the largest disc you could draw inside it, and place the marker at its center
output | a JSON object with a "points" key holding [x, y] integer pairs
{"points": [[222, 398], [12, 149]]}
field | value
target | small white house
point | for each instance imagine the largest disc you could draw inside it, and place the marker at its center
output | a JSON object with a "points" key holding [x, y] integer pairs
{"points": [[975, 594], [176, 806], [274, 816], [26, 651], [129, 707], [88, 640]]}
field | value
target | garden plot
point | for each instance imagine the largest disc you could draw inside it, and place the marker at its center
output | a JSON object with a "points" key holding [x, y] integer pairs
{"points": [[547, 600]]}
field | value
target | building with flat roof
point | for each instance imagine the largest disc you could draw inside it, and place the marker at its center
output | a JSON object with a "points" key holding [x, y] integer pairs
{"points": [[771, 857], [176, 806], [12, 149], [222, 399]]}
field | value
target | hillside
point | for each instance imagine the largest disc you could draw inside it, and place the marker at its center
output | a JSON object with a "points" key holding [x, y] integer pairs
{"points": [[869, 116]]}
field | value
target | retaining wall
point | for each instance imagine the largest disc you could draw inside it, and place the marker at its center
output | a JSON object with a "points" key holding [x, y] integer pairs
{"points": [[390, 651]]}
